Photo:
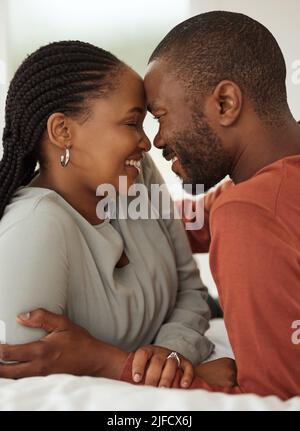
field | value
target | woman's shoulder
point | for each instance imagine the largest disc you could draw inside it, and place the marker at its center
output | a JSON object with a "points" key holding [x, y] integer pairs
{"points": [[37, 209]]}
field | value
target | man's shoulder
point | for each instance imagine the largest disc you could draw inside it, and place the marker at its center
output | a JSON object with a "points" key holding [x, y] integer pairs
{"points": [[261, 190]]}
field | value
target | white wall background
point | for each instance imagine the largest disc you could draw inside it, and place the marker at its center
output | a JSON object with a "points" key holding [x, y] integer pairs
{"points": [[131, 29]]}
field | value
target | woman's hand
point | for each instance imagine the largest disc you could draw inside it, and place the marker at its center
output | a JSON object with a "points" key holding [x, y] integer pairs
{"points": [[161, 371], [67, 348], [221, 372]]}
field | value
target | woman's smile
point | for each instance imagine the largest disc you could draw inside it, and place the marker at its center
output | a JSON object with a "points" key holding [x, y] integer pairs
{"points": [[133, 163]]}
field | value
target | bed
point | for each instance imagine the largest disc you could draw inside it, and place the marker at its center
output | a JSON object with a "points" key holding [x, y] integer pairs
{"points": [[66, 392]]}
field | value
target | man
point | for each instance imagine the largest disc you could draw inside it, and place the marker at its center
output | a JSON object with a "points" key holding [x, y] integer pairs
{"points": [[216, 84]]}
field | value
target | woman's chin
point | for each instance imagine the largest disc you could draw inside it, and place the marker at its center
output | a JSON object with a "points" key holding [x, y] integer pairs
{"points": [[131, 172]]}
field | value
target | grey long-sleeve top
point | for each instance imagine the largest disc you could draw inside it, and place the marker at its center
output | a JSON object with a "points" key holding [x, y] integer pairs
{"points": [[52, 257]]}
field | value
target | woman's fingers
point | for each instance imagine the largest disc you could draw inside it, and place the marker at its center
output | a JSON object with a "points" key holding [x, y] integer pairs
{"points": [[139, 363], [160, 370], [153, 373], [168, 373], [188, 373], [22, 352]]}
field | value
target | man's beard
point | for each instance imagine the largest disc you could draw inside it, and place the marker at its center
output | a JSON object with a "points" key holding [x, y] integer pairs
{"points": [[201, 155]]}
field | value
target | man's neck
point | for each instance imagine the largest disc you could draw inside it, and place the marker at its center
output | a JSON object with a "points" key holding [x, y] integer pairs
{"points": [[263, 147]]}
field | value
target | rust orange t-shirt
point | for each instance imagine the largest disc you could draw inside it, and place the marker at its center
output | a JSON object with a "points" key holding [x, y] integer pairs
{"points": [[255, 262], [254, 234]]}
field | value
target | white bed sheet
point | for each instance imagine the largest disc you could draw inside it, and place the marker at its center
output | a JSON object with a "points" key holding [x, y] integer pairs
{"points": [[66, 392]]}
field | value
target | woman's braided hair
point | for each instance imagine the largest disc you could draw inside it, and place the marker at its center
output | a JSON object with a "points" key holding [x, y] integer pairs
{"points": [[58, 77]]}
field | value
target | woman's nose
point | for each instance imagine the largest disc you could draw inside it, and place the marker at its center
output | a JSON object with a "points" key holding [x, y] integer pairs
{"points": [[145, 143]]}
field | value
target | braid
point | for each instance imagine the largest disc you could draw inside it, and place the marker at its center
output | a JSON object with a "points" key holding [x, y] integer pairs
{"points": [[58, 77]]}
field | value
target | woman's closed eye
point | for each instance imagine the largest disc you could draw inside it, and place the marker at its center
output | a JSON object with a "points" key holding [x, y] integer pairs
{"points": [[132, 124], [139, 125]]}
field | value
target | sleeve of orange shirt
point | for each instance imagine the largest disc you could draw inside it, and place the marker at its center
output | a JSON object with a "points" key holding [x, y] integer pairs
{"points": [[255, 265], [200, 239]]}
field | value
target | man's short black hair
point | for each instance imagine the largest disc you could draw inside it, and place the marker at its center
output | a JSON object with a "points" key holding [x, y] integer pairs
{"points": [[213, 46]]}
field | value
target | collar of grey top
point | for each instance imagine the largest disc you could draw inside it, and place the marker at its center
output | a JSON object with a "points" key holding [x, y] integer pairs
{"points": [[101, 225], [44, 189]]}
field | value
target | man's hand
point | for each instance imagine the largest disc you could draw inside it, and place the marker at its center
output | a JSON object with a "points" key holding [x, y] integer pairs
{"points": [[221, 372], [161, 371], [67, 348]]}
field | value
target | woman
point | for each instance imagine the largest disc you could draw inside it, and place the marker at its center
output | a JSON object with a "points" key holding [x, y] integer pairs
{"points": [[78, 112]]}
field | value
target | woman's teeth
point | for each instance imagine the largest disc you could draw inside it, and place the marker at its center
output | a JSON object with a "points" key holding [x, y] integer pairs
{"points": [[135, 163], [174, 159]]}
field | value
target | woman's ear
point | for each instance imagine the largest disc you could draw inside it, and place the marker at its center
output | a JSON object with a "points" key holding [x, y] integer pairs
{"points": [[59, 130], [228, 100]]}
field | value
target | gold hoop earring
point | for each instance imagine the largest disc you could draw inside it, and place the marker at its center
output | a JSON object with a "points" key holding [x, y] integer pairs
{"points": [[65, 158]]}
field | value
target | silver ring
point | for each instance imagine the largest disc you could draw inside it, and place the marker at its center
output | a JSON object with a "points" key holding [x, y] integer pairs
{"points": [[174, 355]]}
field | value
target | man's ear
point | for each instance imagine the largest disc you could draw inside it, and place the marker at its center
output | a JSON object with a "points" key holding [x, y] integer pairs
{"points": [[228, 99], [59, 130]]}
